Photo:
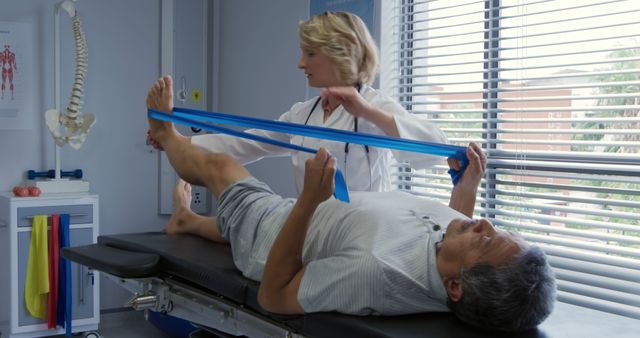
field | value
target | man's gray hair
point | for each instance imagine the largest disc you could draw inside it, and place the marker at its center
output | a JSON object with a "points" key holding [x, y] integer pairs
{"points": [[512, 297]]}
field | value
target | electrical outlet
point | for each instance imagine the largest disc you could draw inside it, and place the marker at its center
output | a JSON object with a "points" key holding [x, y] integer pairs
{"points": [[200, 196], [199, 199]]}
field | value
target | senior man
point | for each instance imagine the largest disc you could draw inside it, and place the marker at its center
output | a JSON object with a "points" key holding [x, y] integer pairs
{"points": [[386, 253]]}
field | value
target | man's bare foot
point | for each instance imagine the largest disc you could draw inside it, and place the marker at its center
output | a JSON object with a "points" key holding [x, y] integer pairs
{"points": [[182, 213], [185, 221], [160, 98]]}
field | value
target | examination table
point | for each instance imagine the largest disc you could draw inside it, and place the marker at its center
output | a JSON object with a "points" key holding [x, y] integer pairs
{"points": [[190, 278]]}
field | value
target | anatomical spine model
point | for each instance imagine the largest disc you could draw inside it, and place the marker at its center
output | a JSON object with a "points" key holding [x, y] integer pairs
{"points": [[72, 126]]}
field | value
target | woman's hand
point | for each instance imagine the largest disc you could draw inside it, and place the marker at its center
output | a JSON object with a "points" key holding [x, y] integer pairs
{"points": [[349, 98], [356, 105]]}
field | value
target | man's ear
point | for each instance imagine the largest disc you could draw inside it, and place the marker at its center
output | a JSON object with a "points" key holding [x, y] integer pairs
{"points": [[454, 288]]}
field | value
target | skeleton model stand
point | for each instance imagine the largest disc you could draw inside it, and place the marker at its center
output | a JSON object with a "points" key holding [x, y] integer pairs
{"points": [[71, 125]]}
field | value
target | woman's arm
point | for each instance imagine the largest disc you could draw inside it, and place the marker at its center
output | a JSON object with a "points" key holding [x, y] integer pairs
{"points": [[392, 119], [356, 105], [242, 150]]}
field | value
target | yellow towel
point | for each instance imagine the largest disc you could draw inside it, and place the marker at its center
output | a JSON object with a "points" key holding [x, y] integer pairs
{"points": [[36, 284]]}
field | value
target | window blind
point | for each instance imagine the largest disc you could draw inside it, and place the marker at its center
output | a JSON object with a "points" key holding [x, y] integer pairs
{"points": [[551, 90]]}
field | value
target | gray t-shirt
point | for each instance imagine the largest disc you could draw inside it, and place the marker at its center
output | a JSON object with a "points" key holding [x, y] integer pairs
{"points": [[375, 255]]}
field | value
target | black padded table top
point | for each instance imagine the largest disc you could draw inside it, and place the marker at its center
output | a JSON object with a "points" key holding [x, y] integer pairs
{"points": [[122, 263], [204, 263], [210, 266]]}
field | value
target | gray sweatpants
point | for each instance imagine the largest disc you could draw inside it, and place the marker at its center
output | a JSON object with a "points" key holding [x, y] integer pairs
{"points": [[250, 216]]}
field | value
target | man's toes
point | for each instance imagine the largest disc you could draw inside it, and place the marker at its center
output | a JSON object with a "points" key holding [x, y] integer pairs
{"points": [[180, 186], [167, 81]]}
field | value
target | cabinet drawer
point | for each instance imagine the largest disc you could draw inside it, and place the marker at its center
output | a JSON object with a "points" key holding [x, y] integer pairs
{"points": [[79, 213]]}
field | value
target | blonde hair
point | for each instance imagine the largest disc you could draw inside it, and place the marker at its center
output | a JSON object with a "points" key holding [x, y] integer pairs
{"points": [[346, 41]]}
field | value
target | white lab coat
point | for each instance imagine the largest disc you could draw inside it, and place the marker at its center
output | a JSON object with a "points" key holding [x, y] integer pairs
{"points": [[362, 172]]}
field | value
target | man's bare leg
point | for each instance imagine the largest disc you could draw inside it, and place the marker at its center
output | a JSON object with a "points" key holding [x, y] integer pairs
{"points": [[193, 164], [184, 220]]}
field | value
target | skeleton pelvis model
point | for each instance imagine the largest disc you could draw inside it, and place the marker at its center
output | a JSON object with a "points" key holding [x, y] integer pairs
{"points": [[72, 126]]}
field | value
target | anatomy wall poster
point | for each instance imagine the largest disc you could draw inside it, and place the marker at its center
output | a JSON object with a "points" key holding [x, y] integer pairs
{"points": [[16, 89]]}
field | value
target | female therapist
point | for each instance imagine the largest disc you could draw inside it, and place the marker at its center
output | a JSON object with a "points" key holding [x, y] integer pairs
{"points": [[338, 55]]}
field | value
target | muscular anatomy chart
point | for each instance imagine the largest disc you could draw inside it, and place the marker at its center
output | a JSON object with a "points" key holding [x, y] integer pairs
{"points": [[17, 96], [9, 66]]}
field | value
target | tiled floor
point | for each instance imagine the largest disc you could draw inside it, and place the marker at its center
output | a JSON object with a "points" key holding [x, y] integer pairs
{"points": [[126, 324]]}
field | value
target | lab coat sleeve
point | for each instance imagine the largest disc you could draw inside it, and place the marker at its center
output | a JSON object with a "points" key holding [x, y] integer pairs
{"points": [[413, 127], [244, 150]]}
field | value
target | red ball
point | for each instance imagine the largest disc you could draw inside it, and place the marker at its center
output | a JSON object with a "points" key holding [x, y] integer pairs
{"points": [[34, 191], [20, 191]]}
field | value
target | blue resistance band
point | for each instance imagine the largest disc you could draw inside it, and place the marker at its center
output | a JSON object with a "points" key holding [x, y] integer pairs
{"points": [[195, 118]]}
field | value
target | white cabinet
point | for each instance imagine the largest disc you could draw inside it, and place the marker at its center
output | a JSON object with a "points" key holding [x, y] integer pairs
{"points": [[16, 214]]}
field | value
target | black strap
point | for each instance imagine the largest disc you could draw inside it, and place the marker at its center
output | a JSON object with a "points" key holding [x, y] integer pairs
{"points": [[355, 129], [355, 123], [312, 109]]}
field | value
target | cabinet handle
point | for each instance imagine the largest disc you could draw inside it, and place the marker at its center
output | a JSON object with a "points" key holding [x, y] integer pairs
{"points": [[3, 224], [81, 283], [70, 215]]}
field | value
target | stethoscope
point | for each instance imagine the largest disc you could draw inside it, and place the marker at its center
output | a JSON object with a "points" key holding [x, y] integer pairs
{"points": [[347, 144]]}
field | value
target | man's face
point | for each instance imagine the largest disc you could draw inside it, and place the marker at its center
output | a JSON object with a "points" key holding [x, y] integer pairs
{"points": [[470, 242]]}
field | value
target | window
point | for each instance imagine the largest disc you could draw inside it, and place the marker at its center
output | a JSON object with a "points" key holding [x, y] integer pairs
{"points": [[551, 90]]}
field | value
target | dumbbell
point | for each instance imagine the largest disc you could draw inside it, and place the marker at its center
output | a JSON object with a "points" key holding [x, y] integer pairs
{"points": [[32, 174]]}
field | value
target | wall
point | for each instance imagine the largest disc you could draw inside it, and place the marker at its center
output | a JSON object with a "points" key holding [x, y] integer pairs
{"points": [[258, 73], [123, 42], [258, 76]]}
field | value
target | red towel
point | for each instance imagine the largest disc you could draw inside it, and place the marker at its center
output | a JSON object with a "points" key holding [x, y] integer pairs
{"points": [[54, 249]]}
